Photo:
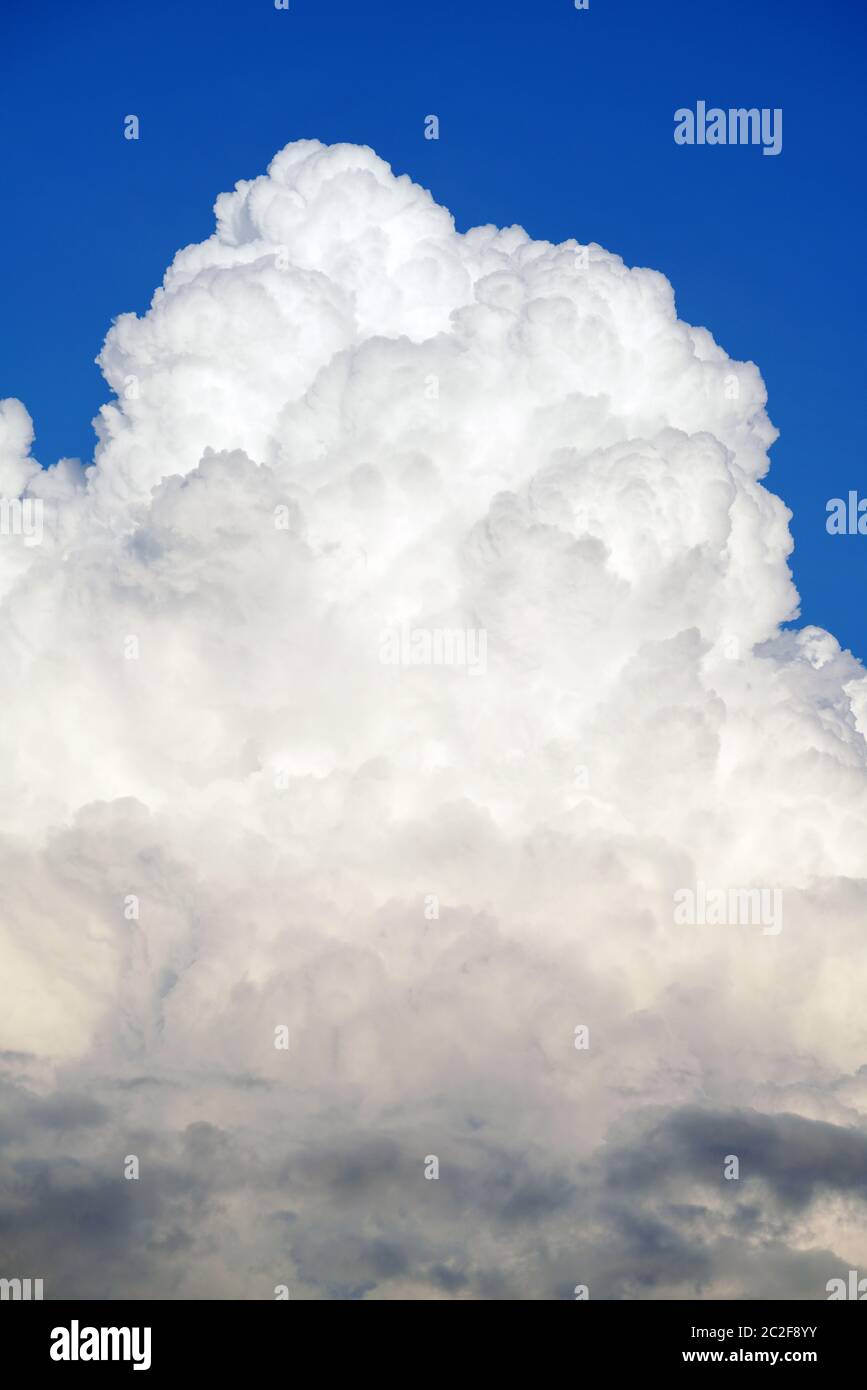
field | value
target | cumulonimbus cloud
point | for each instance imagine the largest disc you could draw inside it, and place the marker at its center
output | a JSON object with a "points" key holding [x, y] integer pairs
{"points": [[344, 428]]}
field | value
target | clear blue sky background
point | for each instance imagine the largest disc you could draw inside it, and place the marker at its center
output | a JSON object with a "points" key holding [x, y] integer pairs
{"points": [[556, 119]]}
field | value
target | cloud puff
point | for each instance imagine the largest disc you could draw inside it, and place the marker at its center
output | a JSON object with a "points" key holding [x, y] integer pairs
{"points": [[343, 429]]}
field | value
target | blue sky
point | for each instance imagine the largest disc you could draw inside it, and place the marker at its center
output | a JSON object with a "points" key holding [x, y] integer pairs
{"points": [[556, 119]]}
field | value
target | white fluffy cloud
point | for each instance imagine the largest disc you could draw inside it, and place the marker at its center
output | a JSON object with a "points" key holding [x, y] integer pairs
{"points": [[342, 417]]}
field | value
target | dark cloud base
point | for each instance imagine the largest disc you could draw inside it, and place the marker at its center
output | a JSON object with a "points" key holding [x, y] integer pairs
{"points": [[222, 1214]]}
